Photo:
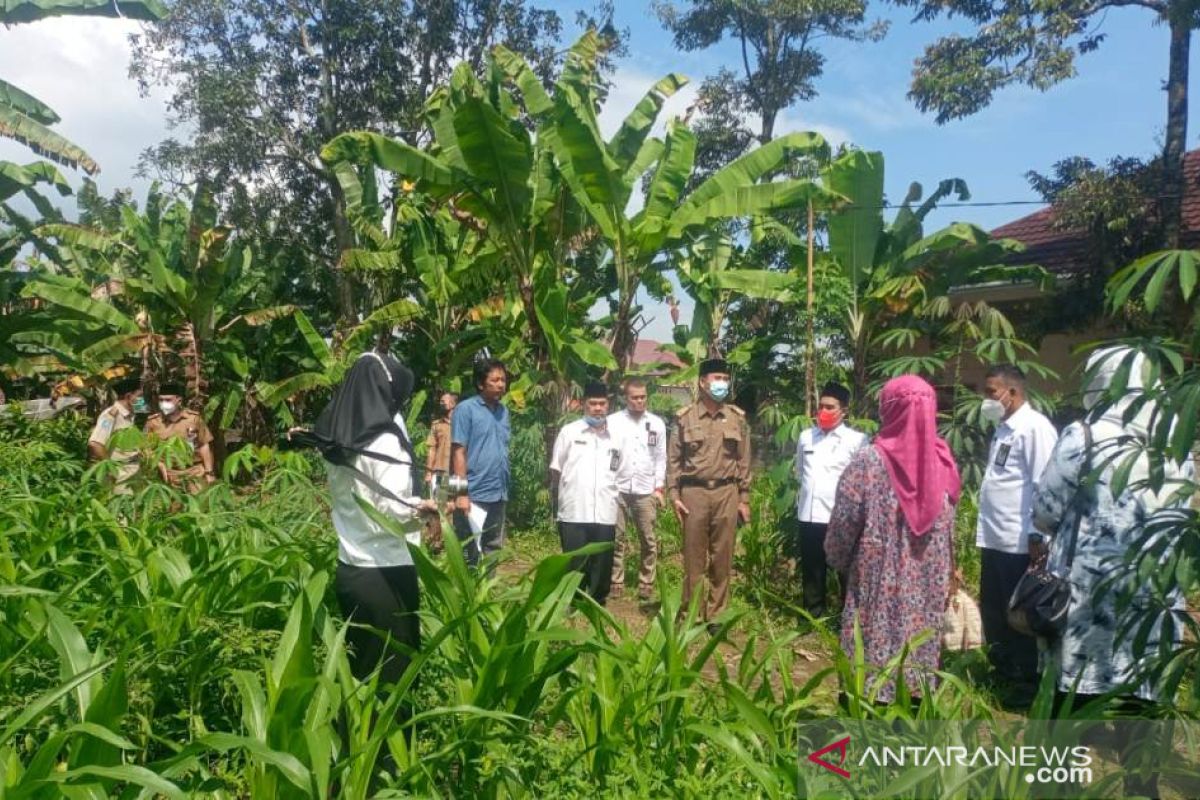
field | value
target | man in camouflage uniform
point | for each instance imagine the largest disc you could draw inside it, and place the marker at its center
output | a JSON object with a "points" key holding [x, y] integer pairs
{"points": [[117, 417], [176, 422], [708, 482]]}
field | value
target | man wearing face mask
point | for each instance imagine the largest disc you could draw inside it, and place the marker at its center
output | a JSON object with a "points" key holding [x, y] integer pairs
{"points": [[176, 422], [822, 453], [708, 483], [1008, 541], [583, 488], [118, 417]]}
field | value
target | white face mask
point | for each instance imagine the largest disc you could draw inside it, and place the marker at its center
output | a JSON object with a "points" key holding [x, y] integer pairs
{"points": [[168, 407], [719, 390], [992, 410]]}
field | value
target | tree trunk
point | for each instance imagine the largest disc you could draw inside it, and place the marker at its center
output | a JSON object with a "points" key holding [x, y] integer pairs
{"points": [[342, 234], [1177, 110]]}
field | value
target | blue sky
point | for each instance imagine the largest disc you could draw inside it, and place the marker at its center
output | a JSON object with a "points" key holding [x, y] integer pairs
{"points": [[1114, 107]]}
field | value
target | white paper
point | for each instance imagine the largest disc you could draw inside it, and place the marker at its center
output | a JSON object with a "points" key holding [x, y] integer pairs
{"points": [[476, 517]]}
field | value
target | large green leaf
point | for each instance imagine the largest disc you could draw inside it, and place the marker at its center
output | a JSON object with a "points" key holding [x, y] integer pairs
{"points": [[596, 180], [16, 178], [764, 160], [43, 141], [537, 102], [316, 342], [497, 153], [80, 303], [27, 104], [392, 314], [855, 228], [627, 142], [1155, 270], [671, 177], [394, 156], [758, 283], [751, 200], [14, 11]]}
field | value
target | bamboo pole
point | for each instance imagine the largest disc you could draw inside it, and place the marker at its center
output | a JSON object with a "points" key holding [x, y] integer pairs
{"points": [[810, 368]]}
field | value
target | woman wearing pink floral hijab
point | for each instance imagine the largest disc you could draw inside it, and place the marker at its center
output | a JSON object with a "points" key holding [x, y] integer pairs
{"points": [[891, 534]]}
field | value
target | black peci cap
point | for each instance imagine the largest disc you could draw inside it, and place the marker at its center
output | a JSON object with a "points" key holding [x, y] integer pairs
{"points": [[595, 389], [837, 392], [710, 365]]}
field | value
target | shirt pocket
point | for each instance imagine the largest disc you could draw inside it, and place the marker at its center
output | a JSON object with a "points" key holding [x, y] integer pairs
{"points": [[731, 440], [692, 439]]}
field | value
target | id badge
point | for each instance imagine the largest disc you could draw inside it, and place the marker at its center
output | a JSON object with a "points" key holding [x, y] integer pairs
{"points": [[614, 457], [653, 440], [1002, 454]]}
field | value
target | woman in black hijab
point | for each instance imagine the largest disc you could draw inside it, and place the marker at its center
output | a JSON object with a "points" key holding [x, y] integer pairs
{"points": [[362, 437]]}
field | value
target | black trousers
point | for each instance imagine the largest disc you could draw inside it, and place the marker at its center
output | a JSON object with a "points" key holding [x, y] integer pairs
{"points": [[491, 538], [382, 604], [1013, 655], [596, 568], [814, 572]]}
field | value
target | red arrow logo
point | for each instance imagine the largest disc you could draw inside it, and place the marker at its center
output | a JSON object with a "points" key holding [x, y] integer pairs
{"points": [[839, 747]]}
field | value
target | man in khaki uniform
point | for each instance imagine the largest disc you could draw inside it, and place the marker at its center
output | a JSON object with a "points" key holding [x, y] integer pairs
{"points": [[117, 417], [437, 454], [437, 463], [708, 481], [176, 422]]}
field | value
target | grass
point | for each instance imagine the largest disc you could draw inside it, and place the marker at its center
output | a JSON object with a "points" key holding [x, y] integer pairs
{"points": [[165, 645]]}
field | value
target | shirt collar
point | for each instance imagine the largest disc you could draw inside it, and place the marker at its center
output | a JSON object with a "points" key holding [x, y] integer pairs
{"points": [[1020, 418], [719, 414]]}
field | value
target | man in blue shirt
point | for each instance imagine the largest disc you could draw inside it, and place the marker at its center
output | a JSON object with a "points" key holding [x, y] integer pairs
{"points": [[479, 452]]}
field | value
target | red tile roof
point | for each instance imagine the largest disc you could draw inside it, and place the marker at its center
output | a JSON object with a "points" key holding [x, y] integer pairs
{"points": [[1063, 252], [646, 351]]}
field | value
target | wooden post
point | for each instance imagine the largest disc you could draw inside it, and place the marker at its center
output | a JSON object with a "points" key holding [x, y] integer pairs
{"points": [[810, 368]]}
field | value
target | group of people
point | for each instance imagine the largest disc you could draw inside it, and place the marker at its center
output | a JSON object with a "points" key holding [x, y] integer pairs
{"points": [[171, 421], [879, 512], [882, 515]]}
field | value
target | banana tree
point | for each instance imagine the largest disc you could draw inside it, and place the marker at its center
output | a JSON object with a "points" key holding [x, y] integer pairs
{"points": [[603, 175], [715, 270], [174, 289], [25, 118], [490, 172], [901, 278]]}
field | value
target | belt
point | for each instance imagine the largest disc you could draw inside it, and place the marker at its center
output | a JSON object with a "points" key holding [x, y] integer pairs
{"points": [[707, 484]]}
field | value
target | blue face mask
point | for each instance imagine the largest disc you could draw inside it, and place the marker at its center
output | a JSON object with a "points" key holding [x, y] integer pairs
{"points": [[140, 406], [719, 390], [594, 422]]}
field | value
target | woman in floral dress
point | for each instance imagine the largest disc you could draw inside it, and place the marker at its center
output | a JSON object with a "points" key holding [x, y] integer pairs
{"points": [[891, 532]]}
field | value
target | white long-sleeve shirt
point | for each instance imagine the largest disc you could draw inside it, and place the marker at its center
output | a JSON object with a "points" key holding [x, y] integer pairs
{"points": [[1020, 450], [587, 461], [361, 541], [821, 457], [643, 467]]}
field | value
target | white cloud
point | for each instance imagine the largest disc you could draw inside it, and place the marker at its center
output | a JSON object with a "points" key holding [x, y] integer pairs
{"points": [[885, 112], [79, 67]]}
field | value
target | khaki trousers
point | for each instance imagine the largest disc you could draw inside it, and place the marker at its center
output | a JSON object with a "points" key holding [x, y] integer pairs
{"points": [[708, 536], [644, 510]]}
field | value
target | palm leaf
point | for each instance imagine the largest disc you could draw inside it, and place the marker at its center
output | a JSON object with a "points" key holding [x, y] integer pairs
{"points": [[628, 141]]}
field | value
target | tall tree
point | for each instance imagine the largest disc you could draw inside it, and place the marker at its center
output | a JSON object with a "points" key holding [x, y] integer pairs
{"points": [[778, 42], [262, 84], [1035, 43]]}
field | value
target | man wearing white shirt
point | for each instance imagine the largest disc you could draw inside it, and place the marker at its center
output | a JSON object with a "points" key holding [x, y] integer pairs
{"points": [[1020, 450], [822, 453], [583, 481], [640, 484]]}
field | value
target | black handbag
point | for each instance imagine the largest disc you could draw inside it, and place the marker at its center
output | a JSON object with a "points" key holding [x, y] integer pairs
{"points": [[1041, 600]]}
